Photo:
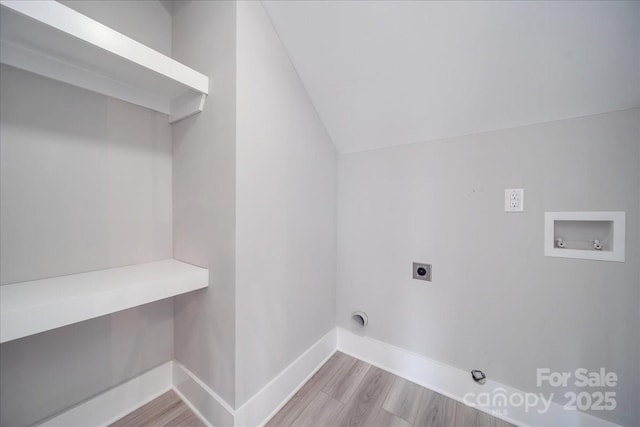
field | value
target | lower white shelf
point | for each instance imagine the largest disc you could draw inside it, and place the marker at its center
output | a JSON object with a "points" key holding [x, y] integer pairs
{"points": [[28, 308]]}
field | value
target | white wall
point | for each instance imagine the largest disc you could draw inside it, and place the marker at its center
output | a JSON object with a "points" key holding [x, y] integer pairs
{"points": [[204, 37], [496, 303], [85, 180], [85, 184], [285, 210]]}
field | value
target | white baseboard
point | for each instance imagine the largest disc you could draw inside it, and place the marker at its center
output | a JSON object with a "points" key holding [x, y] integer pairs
{"points": [[455, 383], [258, 410], [119, 401], [214, 411], [116, 402], [203, 401], [452, 382]]}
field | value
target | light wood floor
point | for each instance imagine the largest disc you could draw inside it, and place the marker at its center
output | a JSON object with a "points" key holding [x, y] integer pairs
{"points": [[344, 392], [349, 392], [165, 411]]}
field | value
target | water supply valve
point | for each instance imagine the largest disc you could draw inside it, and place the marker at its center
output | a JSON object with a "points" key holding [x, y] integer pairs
{"points": [[478, 376]]}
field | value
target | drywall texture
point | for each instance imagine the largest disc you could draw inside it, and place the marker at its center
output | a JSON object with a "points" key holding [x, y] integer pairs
{"points": [[285, 210], [204, 157], [496, 302], [85, 184]]}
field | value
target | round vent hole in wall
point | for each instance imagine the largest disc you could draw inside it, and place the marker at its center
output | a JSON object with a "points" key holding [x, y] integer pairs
{"points": [[360, 318]]}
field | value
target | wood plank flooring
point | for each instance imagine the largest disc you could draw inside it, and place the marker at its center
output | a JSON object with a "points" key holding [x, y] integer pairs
{"points": [[344, 392], [349, 392], [165, 411]]}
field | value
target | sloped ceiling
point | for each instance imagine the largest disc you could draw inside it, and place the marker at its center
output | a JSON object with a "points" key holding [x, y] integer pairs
{"points": [[385, 73]]}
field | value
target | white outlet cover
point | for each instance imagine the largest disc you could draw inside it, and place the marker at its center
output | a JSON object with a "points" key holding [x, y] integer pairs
{"points": [[514, 200]]}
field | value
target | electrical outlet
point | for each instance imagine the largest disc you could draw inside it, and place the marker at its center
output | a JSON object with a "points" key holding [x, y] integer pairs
{"points": [[422, 271], [514, 200]]}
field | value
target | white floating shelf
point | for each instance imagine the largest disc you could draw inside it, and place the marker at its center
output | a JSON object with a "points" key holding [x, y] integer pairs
{"points": [[28, 308], [53, 40]]}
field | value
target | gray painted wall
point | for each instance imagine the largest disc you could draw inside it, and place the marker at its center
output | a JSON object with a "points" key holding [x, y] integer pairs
{"points": [[85, 185], [496, 302], [285, 210], [85, 180], [204, 158], [254, 200]]}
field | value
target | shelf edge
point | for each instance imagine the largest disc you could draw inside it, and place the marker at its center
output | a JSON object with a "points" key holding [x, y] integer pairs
{"points": [[57, 17], [18, 322], [75, 24]]}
